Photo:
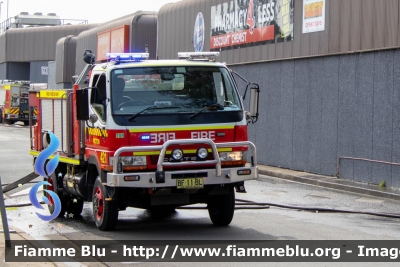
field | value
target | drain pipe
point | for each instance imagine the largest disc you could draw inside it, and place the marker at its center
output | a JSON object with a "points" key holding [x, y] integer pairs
{"points": [[362, 159]]}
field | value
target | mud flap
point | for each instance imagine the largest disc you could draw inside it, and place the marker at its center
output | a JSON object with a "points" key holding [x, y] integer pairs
{"points": [[240, 187]]}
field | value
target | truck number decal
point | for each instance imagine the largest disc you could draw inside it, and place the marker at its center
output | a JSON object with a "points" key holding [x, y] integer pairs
{"points": [[103, 157], [96, 141]]}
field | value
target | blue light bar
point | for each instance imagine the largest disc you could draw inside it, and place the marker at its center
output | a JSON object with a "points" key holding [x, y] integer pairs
{"points": [[145, 137], [127, 56]]}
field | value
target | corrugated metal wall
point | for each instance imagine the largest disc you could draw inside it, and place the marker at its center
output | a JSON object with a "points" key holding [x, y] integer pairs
{"points": [[143, 31], [36, 44], [313, 111], [351, 25]]}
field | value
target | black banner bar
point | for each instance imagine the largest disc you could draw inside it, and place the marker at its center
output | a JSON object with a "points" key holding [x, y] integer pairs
{"points": [[204, 251]]}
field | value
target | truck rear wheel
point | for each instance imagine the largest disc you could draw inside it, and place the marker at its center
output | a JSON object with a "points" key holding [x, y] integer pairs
{"points": [[221, 208], [105, 210], [74, 206], [52, 180]]}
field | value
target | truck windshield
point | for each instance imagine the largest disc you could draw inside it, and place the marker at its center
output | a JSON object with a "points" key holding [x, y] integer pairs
{"points": [[172, 90]]}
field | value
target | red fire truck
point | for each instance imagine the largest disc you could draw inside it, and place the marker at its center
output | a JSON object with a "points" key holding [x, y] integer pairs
{"points": [[151, 134]]}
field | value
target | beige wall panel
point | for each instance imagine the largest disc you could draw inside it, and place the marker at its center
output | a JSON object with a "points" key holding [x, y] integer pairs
{"points": [[344, 22], [271, 54], [334, 25], [257, 53], [264, 52], [242, 54], [367, 21], [297, 28], [305, 44], [287, 49], [278, 50], [204, 8], [355, 27], [314, 43], [379, 26], [236, 55], [185, 43], [249, 55], [392, 20]]}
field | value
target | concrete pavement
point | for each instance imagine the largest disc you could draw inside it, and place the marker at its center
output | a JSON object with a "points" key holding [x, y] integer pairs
{"points": [[302, 177], [330, 182]]}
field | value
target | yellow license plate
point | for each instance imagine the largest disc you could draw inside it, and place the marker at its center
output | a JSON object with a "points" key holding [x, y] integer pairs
{"points": [[190, 183]]}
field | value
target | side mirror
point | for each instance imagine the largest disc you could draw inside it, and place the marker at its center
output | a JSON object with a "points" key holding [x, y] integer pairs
{"points": [[254, 97], [82, 105], [89, 57]]}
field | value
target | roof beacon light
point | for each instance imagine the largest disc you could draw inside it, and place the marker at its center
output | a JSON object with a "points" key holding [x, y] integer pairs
{"points": [[127, 56], [210, 56]]}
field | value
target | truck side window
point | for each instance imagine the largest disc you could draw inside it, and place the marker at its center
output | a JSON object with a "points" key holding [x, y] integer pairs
{"points": [[98, 98]]}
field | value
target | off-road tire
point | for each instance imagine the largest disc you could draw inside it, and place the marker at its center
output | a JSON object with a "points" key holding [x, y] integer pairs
{"points": [[221, 208], [105, 212]]}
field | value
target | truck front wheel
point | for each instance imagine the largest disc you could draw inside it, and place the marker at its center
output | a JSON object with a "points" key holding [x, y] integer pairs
{"points": [[105, 210], [221, 208]]}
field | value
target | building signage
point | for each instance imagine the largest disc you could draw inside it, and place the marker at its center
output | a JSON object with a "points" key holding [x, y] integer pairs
{"points": [[45, 70], [198, 36], [103, 45], [112, 41], [251, 22], [120, 40], [313, 15]]}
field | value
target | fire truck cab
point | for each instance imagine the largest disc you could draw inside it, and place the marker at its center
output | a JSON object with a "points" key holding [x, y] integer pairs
{"points": [[151, 134]]}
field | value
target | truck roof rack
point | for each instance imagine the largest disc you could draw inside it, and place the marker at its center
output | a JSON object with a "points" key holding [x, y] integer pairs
{"points": [[201, 56]]}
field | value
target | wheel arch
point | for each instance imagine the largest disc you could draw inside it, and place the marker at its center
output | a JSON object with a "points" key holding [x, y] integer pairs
{"points": [[93, 171]]}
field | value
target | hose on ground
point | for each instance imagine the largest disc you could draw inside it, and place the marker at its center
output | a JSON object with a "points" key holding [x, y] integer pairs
{"points": [[250, 205]]}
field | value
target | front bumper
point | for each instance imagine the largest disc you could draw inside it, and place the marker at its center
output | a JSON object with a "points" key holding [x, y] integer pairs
{"points": [[210, 176]]}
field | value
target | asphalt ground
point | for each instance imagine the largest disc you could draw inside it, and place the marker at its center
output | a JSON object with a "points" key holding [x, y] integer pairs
{"points": [[326, 183]]}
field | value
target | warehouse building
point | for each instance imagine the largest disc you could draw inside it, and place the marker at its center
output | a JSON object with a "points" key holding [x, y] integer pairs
{"points": [[28, 43], [53, 54]]}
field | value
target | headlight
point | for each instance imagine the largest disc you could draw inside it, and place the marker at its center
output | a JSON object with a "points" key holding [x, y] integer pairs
{"points": [[177, 154], [133, 161], [202, 153], [227, 156]]}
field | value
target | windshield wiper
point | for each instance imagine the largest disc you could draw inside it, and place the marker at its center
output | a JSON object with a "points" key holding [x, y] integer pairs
{"points": [[213, 106], [131, 118]]}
